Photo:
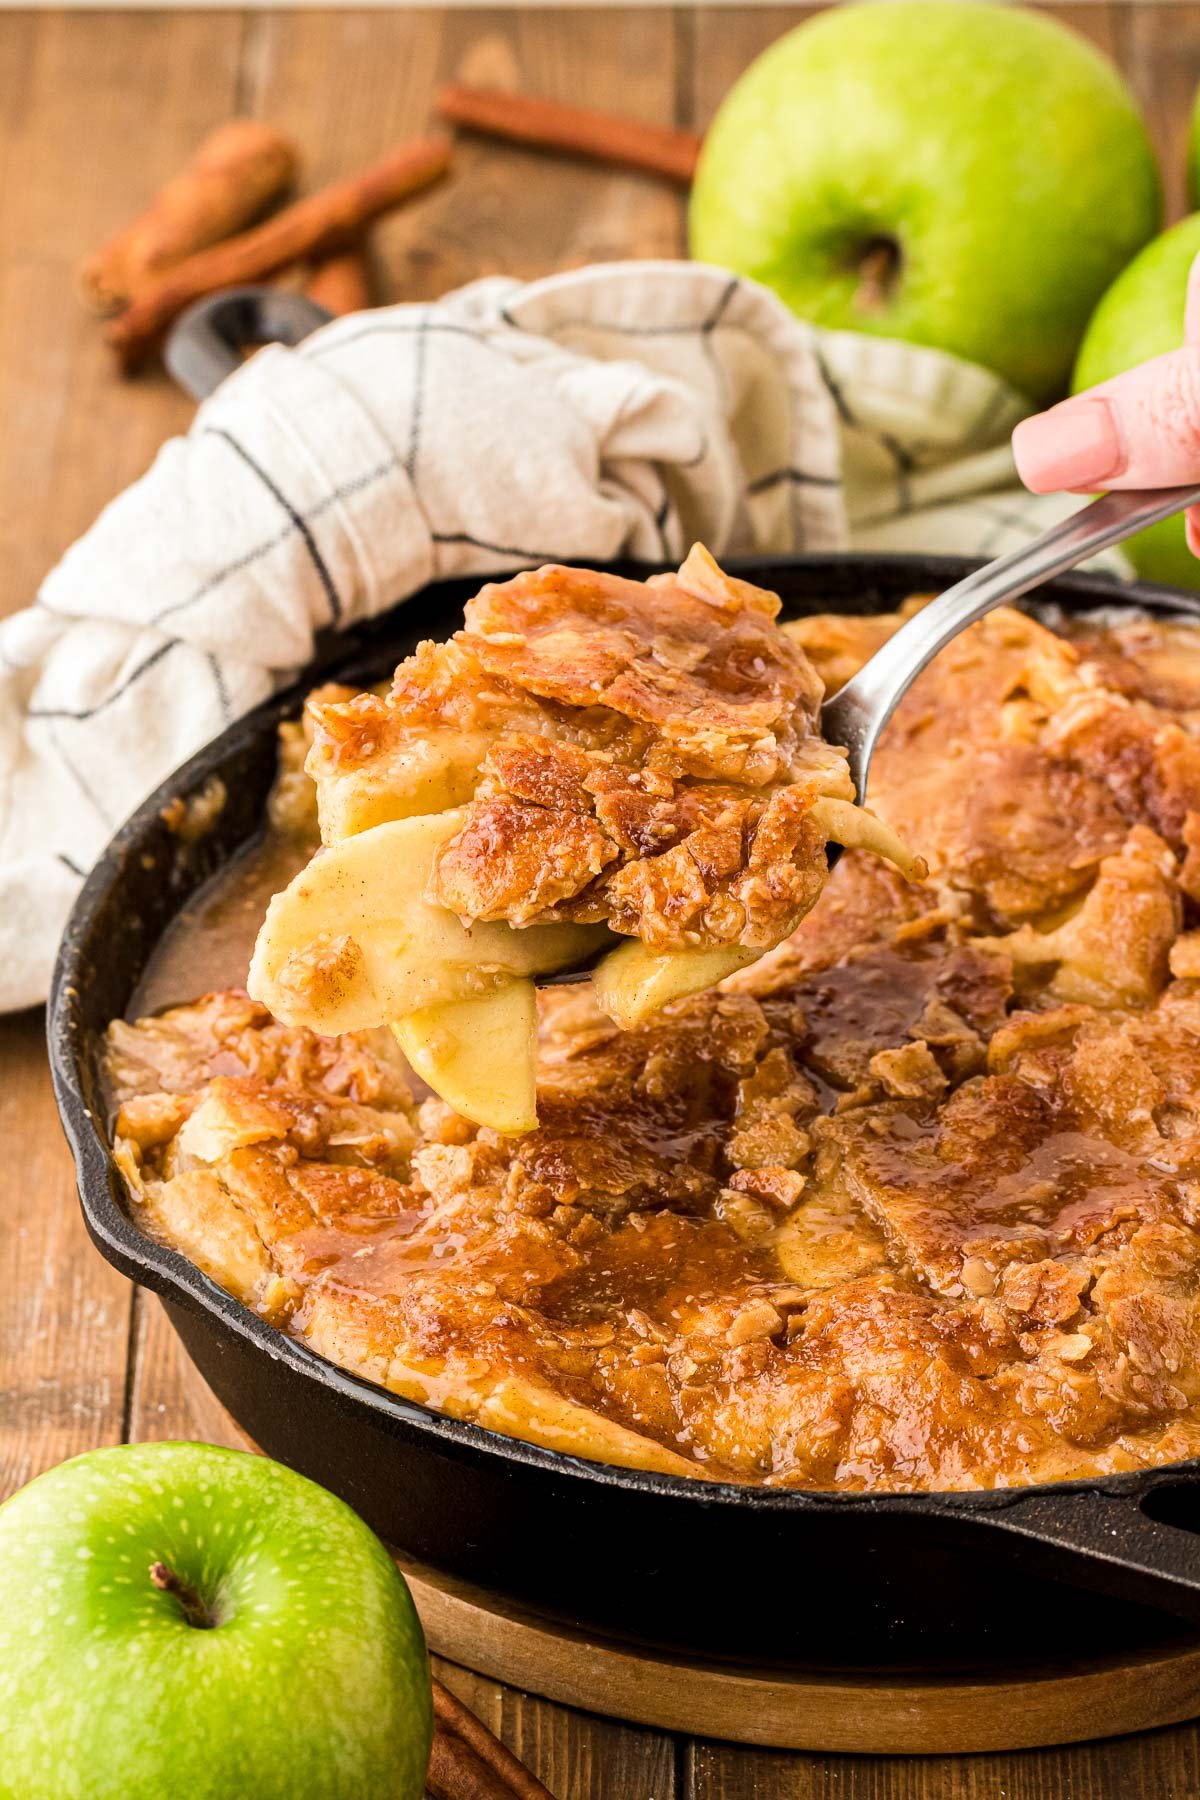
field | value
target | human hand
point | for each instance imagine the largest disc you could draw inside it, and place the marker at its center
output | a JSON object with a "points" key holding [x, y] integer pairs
{"points": [[1139, 430]]}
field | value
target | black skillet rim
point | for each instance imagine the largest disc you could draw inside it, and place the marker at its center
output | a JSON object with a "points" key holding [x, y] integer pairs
{"points": [[169, 1273]]}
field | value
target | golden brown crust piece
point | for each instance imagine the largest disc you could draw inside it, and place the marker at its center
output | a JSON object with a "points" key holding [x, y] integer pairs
{"points": [[720, 692], [556, 832], [914, 1203], [1016, 770], [648, 756]]}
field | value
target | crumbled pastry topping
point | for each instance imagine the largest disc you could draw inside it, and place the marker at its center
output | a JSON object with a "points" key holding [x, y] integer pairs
{"points": [[911, 1203], [193, 818], [323, 968], [1184, 956], [292, 808], [647, 754]]}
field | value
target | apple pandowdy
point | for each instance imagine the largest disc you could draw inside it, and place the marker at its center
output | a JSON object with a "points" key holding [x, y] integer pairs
{"points": [[590, 758], [912, 1203]]}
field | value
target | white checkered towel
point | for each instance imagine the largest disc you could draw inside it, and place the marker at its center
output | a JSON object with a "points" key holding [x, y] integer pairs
{"points": [[620, 410]]}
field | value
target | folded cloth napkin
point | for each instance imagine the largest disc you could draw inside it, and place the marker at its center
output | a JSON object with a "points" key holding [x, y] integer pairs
{"points": [[623, 410]]}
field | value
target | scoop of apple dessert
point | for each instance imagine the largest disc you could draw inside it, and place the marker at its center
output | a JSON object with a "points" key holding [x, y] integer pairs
{"points": [[592, 768]]}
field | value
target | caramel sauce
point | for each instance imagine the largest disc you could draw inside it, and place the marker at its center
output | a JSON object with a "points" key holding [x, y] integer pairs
{"points": [[208, 945]]}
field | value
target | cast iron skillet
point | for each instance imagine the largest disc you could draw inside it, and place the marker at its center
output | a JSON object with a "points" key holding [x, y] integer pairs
{"points": [[743, 1572]]}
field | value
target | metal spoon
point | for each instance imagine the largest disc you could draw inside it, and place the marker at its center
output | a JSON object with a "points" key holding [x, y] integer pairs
{"points": [[858, 712]]}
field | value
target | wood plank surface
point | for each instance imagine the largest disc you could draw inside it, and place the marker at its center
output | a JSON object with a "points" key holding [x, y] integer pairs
{"points": [[1162, 1765], [79, 145], [95, 114], [95, 109]]}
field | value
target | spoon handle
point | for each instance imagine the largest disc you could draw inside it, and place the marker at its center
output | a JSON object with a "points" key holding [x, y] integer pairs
{"points": [[858, 712]]}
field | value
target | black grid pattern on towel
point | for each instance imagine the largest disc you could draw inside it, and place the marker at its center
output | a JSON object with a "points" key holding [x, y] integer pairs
{"points": [[298, 521]]}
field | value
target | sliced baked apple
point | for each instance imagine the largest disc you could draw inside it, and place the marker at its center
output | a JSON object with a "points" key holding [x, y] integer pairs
{"points": [[424, 775], [479, 1055], [352, 942], [632, 982], [854, 828]]}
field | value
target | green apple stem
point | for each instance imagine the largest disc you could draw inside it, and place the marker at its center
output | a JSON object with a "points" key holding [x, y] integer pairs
{"points": [[190, 1603], [879, 263]]}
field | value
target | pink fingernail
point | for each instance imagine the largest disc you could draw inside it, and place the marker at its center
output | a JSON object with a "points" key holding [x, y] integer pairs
{"points": [[1077, 444]]}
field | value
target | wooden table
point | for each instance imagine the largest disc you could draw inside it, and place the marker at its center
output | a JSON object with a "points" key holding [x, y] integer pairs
{"points": [[97, 108]]}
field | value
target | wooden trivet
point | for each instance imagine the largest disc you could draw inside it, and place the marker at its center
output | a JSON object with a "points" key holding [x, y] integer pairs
{"points": [[879, 1714]]}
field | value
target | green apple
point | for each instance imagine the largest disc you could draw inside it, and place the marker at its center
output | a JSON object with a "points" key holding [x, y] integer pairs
{"points": [[1193, 153], [1141, 316], [178, 1619], [963, 175]]}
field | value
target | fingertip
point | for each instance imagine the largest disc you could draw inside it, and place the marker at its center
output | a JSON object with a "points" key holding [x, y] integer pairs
{"points": [[1077, 444], [1192, 522], [1027, 457], [1191, 309]]}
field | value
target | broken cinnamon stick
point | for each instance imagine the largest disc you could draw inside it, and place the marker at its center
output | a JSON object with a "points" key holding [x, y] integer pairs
{"points": [[552, 125], [469, 1763], [308, 228], [341, 281], [230, 181]]}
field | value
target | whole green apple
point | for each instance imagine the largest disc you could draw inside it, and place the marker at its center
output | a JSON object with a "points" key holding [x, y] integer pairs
{"points": [[1142, 316], [177, 1619], [963, 175]]}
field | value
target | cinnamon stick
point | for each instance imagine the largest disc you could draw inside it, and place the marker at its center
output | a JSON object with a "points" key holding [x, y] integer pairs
{"points": [[230, 181], [456, 1773], [341, 281], [469, 1763], [310, 227], [553, 125]]}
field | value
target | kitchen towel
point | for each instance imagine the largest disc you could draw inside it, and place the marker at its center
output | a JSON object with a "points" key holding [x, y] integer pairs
{"points": [[621, 410]]}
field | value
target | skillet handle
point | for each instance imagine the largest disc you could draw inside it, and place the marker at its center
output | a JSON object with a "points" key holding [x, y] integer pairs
{"points": [[206, 344], [1109, 1541]]}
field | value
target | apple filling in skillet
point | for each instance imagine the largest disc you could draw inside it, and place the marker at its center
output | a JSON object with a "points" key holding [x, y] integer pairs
{"points": [[592, 763], [912, 1202]]}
